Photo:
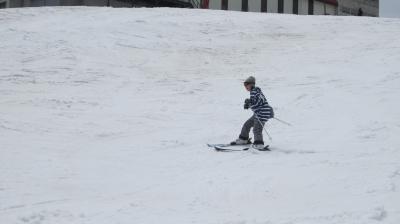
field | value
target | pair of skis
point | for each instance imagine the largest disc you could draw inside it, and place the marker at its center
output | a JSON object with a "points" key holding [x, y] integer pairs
{"points": [[234, 147]]}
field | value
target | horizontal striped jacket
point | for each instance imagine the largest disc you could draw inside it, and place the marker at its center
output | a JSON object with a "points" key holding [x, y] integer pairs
{"points": [[259, 105]]}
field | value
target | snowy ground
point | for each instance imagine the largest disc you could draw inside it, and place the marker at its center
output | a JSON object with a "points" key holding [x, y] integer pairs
{"points": [[105, 115]]}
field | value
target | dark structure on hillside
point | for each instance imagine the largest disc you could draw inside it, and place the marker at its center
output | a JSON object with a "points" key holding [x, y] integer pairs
{"points": [[112, 3]]}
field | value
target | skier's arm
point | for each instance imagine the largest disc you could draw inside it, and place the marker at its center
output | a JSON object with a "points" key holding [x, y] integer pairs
{"points": [[256, 100]]}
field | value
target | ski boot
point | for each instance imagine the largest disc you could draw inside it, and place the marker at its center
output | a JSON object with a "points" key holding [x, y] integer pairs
{"points": [[259, 145], [241, 141]]}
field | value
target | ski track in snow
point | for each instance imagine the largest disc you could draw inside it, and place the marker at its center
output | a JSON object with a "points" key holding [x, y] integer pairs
{"points": [[105, 115]]}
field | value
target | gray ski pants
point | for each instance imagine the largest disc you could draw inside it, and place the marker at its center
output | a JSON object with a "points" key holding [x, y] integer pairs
{"points": [[254, 123]]}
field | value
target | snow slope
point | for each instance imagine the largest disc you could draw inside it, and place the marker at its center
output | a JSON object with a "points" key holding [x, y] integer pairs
{"points": [[105, 115]]}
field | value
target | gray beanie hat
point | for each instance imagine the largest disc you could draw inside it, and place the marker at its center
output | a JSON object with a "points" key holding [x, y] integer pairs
{"points": [[250, 80]]}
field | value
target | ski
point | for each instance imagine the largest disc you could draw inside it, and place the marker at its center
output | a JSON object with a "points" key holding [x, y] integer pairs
{"points": [[218, 145], [266, 148], [245, 148], [228, 144], [224, 149]]}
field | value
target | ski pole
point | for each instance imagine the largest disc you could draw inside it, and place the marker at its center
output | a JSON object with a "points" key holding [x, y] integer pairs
{"points": [[283, 122], [269, 136]]}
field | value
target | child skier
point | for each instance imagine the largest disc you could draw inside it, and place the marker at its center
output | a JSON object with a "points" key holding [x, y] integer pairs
{"points": [[262, 112]]}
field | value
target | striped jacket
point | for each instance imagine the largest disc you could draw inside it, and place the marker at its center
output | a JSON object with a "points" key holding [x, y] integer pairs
{"points": [[259, 105]]}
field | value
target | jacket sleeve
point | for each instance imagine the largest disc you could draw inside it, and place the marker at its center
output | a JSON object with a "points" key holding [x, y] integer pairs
{"points": [[256, 100]]}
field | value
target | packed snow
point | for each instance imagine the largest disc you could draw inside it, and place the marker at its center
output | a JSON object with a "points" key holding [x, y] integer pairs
{"points": [[105, 115]]}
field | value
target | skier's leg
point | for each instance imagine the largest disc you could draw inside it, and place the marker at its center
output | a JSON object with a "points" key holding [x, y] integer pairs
{"points": [[257, 130], [244, 134]]}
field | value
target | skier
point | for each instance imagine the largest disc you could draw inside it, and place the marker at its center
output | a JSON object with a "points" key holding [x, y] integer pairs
{"points": [[262, 112]]}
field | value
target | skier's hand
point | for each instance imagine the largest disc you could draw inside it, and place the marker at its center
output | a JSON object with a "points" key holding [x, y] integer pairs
{"points": [[246, 104]]}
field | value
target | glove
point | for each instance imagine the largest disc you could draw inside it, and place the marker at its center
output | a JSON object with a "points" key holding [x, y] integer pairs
{"points": [[246, 104]]}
